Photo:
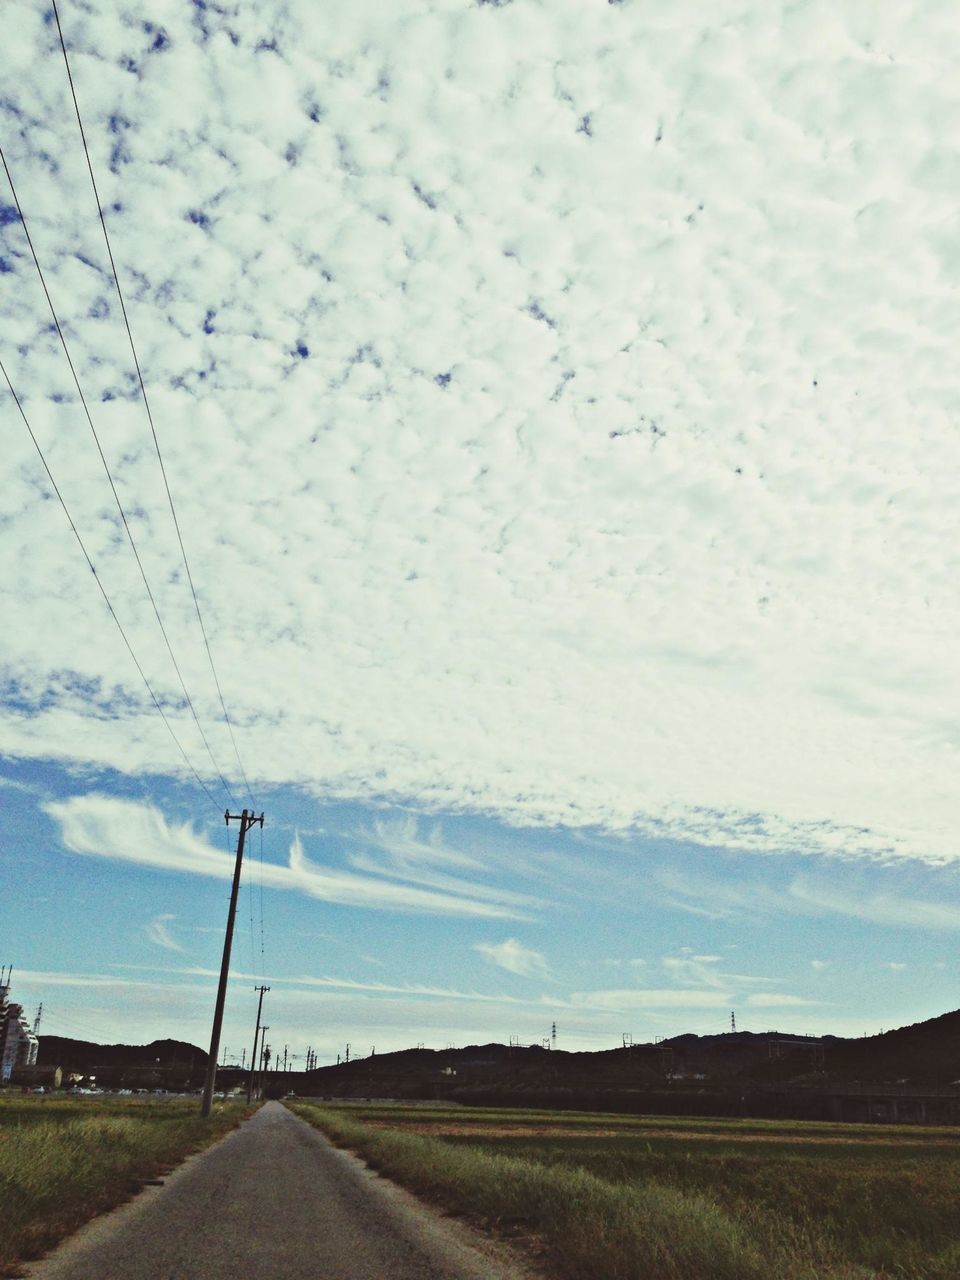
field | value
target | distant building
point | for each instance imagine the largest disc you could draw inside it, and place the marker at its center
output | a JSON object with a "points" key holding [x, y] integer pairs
{"points": [[18, 1044], [37, 1077]]}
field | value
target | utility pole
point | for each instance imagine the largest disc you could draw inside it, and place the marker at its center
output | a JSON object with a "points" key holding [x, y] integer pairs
{"points": [[256, 1036], [247, 820], [285, 1047]]}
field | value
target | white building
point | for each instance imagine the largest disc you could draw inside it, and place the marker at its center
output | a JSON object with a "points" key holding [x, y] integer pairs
{"points": [[18, 1044]]}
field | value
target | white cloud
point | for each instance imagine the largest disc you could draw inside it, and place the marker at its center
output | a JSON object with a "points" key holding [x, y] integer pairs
{"points": [[803, 895], [895, 910], [51, 978], [397, 850], [693, 969], [13, 784], [650, 998], [777, 1000], [701, 971], [325, 982], [515, 958], [102, 826], [557, 358], [158, 932], [322, 1011], [400, 840]]}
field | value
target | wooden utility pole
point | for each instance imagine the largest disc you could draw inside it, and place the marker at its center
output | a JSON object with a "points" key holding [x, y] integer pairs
{"points": [[246, 820], [256, 1036]]}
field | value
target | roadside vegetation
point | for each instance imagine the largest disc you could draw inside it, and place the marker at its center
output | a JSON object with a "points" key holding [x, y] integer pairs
{"points": [[627, 1198], [64, 1160]]}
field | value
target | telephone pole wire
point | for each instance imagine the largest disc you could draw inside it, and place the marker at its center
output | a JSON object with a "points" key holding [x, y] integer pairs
{"points": [[246, 820]]}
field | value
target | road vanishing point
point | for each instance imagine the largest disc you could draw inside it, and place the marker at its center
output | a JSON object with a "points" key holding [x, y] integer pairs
{"points": [[275, 1198]]}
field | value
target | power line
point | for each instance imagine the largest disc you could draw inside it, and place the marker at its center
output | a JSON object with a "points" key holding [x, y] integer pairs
{"points": [[71, 1024], [263, 955], [253, 945], [113, 487], [146, 403], [103, 592]]}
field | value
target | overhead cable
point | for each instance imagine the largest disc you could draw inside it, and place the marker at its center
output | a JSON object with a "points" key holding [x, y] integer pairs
{"points": [[146, 404], [263, 952], [103, 591], [109, 475]]}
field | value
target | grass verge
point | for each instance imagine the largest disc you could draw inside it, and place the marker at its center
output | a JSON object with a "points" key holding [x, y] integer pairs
{"points": [[589, 1226], [64, 1161], [814, 1201]]}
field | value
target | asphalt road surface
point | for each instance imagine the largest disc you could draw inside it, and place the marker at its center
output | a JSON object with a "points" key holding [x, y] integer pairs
{"points": [[275, 1200]]}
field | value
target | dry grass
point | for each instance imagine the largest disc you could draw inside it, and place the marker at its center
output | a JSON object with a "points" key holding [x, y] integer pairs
{"points": [[588, 1226], [625, 1198], [62, 1161]]}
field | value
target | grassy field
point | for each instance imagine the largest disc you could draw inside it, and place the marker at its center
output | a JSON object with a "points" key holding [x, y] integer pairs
{"points": [[63, 1160], [614, 1197]]}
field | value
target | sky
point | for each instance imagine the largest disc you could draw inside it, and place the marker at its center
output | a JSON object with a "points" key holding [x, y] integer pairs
{"points": [[559, 403]]}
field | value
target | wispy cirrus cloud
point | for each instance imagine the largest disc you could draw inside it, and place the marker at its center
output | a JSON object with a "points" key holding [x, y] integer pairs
{"points": [[401, 841], [103, 826], [395, 849], [899, 911], [360, 986], [730, 897], [778, 1000], [158, 932], [626, 998], [54, 978], [696, 970]]}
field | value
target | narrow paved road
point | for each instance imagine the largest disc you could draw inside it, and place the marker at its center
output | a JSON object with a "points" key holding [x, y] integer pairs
{"points": [[274, 1199]]}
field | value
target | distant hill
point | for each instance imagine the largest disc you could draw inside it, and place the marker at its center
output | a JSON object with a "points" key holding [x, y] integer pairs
{"points": [[713, 1073], [925, 1052], [172, 1059], [925, 1055]]}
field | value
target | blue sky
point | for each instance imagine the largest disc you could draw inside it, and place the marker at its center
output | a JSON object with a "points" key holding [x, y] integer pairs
{"points": [[559, 403], [602, 934]]}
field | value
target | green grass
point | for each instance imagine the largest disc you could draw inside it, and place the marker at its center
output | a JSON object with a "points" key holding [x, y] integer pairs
{"points": [[64, 1160], [691, 1199]]}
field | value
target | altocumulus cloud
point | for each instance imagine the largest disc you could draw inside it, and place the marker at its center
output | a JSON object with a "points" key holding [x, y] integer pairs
{"points": [[568, 346]]}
